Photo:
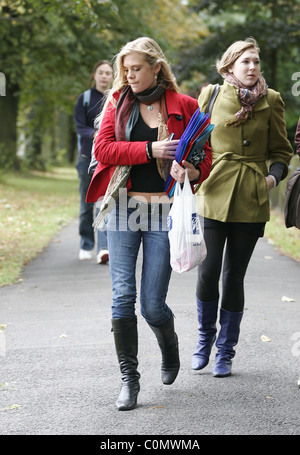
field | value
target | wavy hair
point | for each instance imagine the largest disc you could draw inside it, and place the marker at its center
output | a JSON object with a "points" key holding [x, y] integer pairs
{"points": [[153, 55], [233, 53]]}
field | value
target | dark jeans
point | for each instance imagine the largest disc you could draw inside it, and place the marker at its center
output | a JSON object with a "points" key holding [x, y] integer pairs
{"points": [[86, 210], [237, 241]]}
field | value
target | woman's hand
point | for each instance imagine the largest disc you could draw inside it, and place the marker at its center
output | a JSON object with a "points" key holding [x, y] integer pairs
{"points": [[164, 149], [178, 172], [270, 182]]}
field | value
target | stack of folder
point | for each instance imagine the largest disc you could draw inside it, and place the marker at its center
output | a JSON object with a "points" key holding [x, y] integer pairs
{"points": [[191, 142]]}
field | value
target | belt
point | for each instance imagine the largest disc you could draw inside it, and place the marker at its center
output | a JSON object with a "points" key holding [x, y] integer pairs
{"points": [[150, 208], [251, 162], [230, 156]]}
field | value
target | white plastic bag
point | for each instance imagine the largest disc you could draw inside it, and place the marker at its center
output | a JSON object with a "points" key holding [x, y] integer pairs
{"points": [[187, 245]]}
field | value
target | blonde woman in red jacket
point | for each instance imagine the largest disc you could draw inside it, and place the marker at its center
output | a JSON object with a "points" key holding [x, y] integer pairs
{"points": [[142, 109]]}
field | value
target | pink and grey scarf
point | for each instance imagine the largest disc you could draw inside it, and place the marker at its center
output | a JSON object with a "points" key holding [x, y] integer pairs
{"points": [[248, 97]]}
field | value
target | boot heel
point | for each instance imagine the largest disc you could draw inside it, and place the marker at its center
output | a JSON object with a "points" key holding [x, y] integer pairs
{"points": [[222, 368], [168, 343], [127, 399]]}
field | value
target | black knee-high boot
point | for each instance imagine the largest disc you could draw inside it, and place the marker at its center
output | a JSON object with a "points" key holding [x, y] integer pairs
{"points": [[126, 342], [168, 343]]}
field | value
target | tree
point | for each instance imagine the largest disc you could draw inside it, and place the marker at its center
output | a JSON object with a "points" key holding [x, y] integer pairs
{"points": [[47, 50], [274, 24], [42, 45]]}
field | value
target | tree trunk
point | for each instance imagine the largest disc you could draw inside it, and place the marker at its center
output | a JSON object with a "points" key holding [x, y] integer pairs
{"points": [[274, 51], [8, 128], [274, 67], [72, 140]]}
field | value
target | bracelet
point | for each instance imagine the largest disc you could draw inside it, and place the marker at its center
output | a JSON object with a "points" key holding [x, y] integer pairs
{"points": [[149, 151]]}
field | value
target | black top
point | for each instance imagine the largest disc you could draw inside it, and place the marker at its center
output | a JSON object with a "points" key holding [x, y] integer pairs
{"points": [[145, 178]]}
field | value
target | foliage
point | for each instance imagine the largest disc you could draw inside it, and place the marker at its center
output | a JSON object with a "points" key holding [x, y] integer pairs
{"points": [[40, 53], [48, 49], [274, 24]]}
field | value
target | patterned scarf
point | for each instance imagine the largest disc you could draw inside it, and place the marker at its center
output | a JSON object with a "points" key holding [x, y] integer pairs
{"points": [[248, 97]]}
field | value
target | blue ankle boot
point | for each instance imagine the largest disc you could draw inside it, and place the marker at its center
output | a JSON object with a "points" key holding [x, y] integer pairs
{"points": [[228, 337], [207, 316]]}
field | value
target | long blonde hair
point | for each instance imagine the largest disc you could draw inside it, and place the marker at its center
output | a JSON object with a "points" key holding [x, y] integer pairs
{"points": [[153, 55], [233, 53]]}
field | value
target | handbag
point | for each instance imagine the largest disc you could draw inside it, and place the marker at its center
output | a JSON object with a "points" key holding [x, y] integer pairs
{"points": [[292, 200], [187, 245], [212, 98]]}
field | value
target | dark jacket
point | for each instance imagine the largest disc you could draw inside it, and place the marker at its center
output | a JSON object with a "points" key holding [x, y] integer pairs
{"points": [[85, 118]]}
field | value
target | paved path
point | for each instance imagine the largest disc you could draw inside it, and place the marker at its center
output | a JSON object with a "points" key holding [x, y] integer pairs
{"points": [[59, 373]]}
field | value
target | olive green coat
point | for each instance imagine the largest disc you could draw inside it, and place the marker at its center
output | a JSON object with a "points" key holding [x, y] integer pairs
{"points": [[236, 189]]}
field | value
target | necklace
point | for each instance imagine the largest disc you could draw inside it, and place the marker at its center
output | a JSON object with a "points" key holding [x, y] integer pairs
{"points": [[150, 108]]}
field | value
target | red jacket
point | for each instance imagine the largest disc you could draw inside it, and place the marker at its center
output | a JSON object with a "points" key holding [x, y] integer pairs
{"points": [[110, 152]]}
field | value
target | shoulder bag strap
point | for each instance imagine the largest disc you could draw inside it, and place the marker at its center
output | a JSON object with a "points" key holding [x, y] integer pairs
{"points": [[212, 99]]}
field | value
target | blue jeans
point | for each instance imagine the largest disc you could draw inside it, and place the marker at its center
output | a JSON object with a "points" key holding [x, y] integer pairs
{"points": [[86, 210], [128, 228]]}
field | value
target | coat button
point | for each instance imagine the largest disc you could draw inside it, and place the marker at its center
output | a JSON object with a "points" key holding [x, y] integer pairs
{"points": [[246, 143]]}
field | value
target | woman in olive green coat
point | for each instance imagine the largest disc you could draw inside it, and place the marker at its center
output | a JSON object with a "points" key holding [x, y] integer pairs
{"points": [[251, 154]]}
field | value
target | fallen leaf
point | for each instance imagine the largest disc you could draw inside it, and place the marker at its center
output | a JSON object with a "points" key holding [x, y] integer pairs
{"points": [[6, 386], [284, 298], [265, 338], [63, 336], [3, 385], [14, 406]]}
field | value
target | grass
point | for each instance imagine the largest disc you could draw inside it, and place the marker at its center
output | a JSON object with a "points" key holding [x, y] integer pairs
{"points": [[33, 207], [286, 240]]}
